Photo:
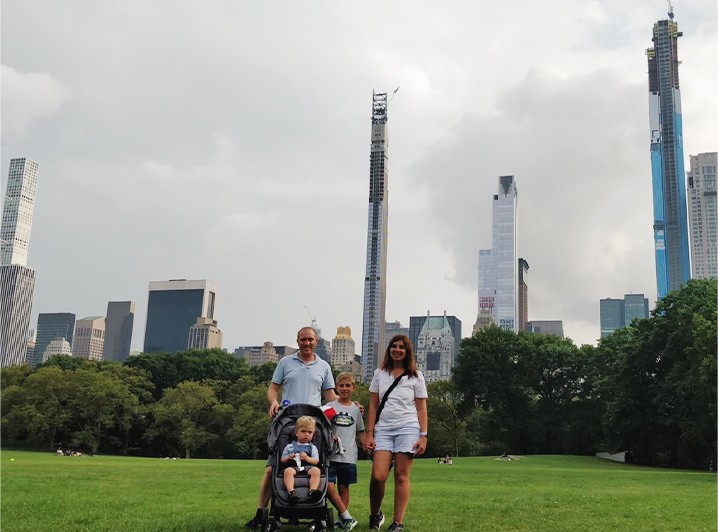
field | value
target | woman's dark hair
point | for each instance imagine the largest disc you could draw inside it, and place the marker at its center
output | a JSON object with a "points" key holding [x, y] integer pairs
{"points": [[409, 359]]}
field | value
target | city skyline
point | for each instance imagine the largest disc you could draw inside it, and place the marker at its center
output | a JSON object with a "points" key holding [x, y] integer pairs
{"points": [[260, 185]]}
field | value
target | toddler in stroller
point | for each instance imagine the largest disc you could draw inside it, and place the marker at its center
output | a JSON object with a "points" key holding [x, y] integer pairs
{"points": [[299, 486]]}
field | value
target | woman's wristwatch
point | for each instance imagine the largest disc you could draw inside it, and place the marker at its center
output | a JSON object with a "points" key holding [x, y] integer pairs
{"points": [[423, 433]]}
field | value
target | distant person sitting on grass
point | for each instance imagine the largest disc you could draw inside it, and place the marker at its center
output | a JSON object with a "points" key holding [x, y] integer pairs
{"points": [[301, 456]]}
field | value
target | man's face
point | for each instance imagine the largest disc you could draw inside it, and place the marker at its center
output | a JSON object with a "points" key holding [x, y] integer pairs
{"points": [[307, 341]]}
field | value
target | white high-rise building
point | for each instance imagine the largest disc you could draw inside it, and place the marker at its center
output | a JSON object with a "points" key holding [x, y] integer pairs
{"points": [[260, 355], [343, 349], [703, 215], [204, 334], [89, 339], [17, 281], [373, 340], [498, 266], [17, 211], [57, 346]]}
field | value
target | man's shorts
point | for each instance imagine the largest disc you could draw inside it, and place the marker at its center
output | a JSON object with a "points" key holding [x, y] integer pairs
{"points": [[399, 441], [342, 473]]}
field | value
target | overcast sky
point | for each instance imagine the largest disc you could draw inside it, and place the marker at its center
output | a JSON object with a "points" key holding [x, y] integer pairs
{"points": [[229, 140]]}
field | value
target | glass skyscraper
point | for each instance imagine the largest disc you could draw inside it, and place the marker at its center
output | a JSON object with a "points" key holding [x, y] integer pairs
{"points": [[172, 309], [374, 312], [118, 330], [670, 224], [52, 326], [498, 275], [618, 313]]}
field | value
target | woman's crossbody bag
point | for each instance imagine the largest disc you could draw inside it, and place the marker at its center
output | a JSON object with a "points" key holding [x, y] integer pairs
{"points": [[386, 395]]}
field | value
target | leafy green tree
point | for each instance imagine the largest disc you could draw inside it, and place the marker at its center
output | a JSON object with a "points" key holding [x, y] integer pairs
{"points": [[168, 370], [160, 367], [251, 423], [491, 375], [447, 420], [38, 409], [553, 374], [187, 414], [660, 386], [65, 362], [131, 424], [14, 376], [262, 374], [98, 402], [215, 364]]}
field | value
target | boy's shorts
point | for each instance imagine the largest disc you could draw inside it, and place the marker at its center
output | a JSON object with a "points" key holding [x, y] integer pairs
{"points": [[342, 473], [401, 441]]}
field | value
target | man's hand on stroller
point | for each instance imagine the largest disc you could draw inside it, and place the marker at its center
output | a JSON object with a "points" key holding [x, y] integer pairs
{"points": [[273, 408]]}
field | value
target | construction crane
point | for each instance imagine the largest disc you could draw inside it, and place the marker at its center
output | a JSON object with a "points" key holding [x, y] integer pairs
{"points": [[392, 95], [314, 322], [670, 10]]}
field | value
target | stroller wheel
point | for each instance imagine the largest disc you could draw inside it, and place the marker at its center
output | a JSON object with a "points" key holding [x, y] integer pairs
{"points": [[330, 518]]}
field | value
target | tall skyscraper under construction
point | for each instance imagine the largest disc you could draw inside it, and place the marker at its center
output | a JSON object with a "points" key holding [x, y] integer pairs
{"points": [[375, 280], [670, 220], [17, 281]]}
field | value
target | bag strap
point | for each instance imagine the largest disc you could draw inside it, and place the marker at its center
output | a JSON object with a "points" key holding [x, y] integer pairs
{"points": [[386, 395]]}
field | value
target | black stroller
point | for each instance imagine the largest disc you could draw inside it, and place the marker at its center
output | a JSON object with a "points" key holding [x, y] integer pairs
{"points": [[319, 515]]}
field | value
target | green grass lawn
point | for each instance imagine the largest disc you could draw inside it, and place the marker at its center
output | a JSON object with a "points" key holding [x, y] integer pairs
{"points": [[44, 492]]}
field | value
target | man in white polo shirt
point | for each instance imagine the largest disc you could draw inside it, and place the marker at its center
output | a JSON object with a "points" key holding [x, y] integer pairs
{"points": [[304, 378]]}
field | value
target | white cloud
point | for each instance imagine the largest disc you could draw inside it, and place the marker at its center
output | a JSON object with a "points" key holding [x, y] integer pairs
{"points": [[26, 97]]}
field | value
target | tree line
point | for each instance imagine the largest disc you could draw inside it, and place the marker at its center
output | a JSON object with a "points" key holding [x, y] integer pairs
{"points": [[648, 389]]}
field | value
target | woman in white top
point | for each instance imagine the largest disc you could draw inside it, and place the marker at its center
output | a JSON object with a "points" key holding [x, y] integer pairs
{"points": [[400, 431]]}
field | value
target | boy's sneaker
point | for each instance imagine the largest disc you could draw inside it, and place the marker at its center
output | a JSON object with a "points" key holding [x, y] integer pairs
{"points": [[314, 496], [293, 497], [396, 527], [348, 524], [376, 520]]}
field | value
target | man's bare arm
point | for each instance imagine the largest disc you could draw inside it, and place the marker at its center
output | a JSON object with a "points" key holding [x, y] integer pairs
{"points": [[272, 394]]}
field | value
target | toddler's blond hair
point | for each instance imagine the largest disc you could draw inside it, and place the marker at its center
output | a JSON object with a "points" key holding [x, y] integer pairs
{"points": [[305, 422]]}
